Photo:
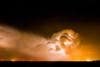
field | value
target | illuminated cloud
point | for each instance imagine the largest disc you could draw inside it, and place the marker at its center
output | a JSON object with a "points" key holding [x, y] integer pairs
{"points": [[56, 48]]}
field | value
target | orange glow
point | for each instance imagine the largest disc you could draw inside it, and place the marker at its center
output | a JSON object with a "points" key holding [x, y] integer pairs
{"points": [[64, 45], [88, 60], [13, 59]]}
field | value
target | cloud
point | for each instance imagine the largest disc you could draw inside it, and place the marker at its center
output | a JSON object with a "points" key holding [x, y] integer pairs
{"points": [[32, 45]]}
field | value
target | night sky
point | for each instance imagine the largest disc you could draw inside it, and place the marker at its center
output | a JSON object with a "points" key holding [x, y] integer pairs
{"points": [[46, 18]]}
